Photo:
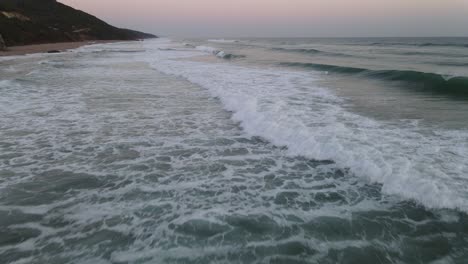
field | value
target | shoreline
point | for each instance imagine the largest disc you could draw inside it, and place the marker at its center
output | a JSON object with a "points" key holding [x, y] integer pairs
{"points": [[44, 48]]}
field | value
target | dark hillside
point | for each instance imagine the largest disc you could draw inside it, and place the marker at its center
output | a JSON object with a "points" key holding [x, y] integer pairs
{"points": [[25, 22]]}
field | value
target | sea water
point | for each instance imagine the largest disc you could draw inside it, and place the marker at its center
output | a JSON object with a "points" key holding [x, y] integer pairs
{"points": [[236, 151]]}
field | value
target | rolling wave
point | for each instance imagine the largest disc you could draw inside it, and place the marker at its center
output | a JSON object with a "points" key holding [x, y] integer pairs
{"points": [[423, 53], [312, 51], [218, 53], [286, 109], [456, 85], [443, 45], [223, 40], [428, 44], [454, 64]]}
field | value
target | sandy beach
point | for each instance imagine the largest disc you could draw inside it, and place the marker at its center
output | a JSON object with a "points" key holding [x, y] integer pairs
{"points": [[41, 48]]}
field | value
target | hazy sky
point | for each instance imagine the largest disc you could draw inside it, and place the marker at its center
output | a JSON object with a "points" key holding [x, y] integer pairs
{"points": [[263, 18]]}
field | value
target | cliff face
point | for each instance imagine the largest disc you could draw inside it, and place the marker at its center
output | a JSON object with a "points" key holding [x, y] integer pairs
{"points": [[25, 22]]}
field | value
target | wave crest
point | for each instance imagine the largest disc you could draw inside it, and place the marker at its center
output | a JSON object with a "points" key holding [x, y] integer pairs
{"points": [[289, 110], [454, 85], [313, 52], [223, 40], [427, 44], [218, 53]]}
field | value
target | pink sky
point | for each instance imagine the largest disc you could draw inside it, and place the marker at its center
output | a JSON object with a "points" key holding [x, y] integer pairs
{"points": [[284, 17]]}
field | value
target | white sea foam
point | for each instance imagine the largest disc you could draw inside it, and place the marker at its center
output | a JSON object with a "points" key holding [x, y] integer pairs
{"points": [[120, 163], [289, 109], [223, 40], [26, 56], [208, 49], [221, 54], [218, 53]]}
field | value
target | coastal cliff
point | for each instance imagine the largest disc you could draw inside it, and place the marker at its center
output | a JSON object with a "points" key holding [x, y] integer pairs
{"points": [[24, 22]]}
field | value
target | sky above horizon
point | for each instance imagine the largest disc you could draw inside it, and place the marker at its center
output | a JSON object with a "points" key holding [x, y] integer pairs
{"points": [[284, 18]]}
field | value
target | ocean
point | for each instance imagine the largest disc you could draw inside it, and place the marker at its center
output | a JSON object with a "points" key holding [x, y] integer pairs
{"points": [[310, 150]]}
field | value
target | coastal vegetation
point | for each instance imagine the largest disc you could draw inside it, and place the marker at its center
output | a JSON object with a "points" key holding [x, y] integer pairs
{"points": [[24, 22]]}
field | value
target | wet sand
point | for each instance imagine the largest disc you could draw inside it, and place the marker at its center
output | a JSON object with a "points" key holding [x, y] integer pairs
{"points": [[41, 48]]}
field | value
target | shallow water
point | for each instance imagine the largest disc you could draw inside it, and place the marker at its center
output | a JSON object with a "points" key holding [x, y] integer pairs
{"points": [[133, 153]]}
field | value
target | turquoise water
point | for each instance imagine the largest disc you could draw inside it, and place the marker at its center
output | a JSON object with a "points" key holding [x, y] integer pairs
{"points": [[236, 151]]}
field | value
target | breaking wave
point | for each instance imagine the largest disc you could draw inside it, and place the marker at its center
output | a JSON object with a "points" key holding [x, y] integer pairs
{"points": [[427, 44], [218, 53], [288, 109], [223, 40], [313, 52], [456, 85]]}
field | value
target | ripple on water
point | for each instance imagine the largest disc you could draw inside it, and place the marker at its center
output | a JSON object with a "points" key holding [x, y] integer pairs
{"points": [[103, 179]]}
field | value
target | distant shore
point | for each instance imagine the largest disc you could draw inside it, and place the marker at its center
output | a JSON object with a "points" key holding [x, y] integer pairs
{"points": [[50, 47]]}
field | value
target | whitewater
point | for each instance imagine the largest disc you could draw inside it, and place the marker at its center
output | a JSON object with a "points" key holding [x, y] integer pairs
{"points": [[289, 109], [235, 151]]}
